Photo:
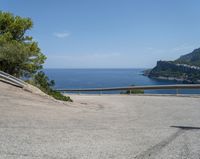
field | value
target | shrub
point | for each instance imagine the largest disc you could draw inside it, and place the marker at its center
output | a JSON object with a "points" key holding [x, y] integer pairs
{"points": [[41, 81], [135, 91]]}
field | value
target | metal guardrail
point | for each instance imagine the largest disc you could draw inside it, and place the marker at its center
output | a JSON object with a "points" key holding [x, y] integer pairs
{"points": [[20, 83], [152, 87], [5, 77]]}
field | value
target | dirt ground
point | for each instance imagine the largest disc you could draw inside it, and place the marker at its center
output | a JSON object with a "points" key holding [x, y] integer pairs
{"points": [[94, 126]]}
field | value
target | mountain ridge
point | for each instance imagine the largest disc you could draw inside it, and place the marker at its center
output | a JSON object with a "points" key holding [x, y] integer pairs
{"points": [[192, 58]]}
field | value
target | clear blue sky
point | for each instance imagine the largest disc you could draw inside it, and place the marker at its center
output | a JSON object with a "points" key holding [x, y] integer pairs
{"points": [[110, 33]]}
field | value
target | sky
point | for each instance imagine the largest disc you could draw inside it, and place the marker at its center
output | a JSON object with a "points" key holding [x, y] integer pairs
{"points": [[110, 33]]}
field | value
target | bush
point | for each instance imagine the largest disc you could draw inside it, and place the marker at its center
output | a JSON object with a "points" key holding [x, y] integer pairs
{"points": [[57, 95], [41, 81], [136, 91], [133, 91]]}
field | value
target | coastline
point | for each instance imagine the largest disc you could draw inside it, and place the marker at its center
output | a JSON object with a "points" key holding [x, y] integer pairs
{"points": [[147, 73], [174, 79]]}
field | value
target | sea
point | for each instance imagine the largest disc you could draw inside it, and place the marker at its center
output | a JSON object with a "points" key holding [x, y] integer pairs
{"points": [[103, 78]]}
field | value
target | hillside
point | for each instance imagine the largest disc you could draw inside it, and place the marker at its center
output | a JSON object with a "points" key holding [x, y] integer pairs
{"points": [[185, 69], [192, 58]]}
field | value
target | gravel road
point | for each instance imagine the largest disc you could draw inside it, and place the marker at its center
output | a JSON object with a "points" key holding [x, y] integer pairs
{"points": [[98, 127]]}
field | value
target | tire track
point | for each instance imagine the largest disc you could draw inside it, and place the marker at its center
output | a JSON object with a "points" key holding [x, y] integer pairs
{"points": [[154, 150]]}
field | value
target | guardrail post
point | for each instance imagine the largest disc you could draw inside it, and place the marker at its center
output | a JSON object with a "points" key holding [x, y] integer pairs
{"points": [[176, 91]]}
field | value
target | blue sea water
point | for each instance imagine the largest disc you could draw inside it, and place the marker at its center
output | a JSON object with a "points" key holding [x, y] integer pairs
{"points": [[102, 78]]}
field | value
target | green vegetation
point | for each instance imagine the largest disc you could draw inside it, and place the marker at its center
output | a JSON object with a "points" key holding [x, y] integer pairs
{"points": [[186, 68], [21, 56], [135, 91], [192, 58], [41, 81]]}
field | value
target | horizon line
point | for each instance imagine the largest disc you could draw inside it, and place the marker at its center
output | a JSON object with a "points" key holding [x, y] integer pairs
{"points": [[97, 68]]}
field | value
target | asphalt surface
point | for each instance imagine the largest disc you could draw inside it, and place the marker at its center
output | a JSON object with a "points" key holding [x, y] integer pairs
{"points": [[98, 127]]}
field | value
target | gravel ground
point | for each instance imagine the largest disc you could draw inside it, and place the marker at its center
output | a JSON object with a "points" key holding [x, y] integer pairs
{"points": [[96, 127]]}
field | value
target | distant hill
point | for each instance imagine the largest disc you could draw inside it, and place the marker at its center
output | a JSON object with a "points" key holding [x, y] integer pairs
{"points": [[192, 58], [185, 69]]}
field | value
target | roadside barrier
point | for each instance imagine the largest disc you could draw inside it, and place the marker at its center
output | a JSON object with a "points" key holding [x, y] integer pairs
{"points": [[7, 78], [176, 87]]}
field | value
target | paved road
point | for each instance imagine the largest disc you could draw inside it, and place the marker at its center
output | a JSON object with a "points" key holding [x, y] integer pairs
{"points": [[96, 127]]}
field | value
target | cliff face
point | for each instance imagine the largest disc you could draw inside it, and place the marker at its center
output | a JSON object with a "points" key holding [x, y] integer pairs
{"points": [[186, 68]]}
